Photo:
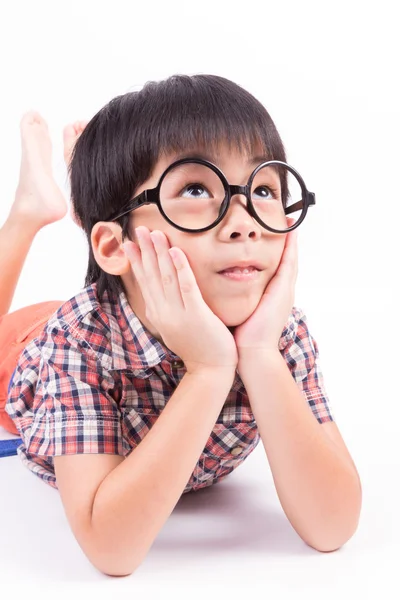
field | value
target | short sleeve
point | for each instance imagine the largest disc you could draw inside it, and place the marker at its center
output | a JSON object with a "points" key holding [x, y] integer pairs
{"points": [[69, 405], [301, 353]]}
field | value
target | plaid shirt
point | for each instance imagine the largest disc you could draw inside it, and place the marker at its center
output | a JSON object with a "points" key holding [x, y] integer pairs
{"points": [[95, 381]]}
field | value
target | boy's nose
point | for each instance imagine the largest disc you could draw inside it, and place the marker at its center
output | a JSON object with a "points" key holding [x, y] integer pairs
{"points": [[238, 196]]}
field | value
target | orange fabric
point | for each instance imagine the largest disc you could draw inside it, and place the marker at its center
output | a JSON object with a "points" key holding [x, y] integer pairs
{"points": [[17, 329]]}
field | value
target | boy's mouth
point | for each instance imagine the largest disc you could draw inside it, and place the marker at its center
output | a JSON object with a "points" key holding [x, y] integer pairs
{"points": [[244, 274], [242, 267], [239, 270]]}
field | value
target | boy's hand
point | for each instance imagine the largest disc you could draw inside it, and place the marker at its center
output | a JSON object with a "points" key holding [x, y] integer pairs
{"points": [[263, 329], [175, 306]]}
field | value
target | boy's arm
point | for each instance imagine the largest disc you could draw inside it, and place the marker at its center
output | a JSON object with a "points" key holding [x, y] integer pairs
{"points": [[135, 499], [317, 483]]}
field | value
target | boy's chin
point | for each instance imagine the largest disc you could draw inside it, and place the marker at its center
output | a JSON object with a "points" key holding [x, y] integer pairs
{"points": [[235, 311], [232, 320]]}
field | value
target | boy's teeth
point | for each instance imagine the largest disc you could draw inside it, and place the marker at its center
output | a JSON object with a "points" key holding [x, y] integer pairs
{"points": [[237, 270]]}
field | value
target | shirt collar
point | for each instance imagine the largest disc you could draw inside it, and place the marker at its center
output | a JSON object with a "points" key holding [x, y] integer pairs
{"points": [[135, 349]]}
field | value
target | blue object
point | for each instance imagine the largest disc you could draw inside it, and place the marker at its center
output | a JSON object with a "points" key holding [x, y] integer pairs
{"points": [[9, 447], [11, 378]]}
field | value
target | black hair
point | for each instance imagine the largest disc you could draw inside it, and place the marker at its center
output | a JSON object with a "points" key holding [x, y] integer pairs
{"points": [[119, 148]]}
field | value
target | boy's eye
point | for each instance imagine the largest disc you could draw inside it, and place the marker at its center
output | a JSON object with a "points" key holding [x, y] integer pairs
{"points": [[197, 191], [265, 192], [194, 190]]}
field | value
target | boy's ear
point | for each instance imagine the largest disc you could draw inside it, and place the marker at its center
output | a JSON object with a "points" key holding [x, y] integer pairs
{"points": [[106, 240]]}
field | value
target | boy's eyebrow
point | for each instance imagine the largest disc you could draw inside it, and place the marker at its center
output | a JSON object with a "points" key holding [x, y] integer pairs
{"points": [[254, 160]]}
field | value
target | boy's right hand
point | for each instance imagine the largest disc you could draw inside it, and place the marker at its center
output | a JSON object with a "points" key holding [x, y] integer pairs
{"points": [[175, 306]]}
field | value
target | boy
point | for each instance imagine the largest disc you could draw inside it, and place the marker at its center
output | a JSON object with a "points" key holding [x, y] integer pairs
{"points": [[173, 351]]}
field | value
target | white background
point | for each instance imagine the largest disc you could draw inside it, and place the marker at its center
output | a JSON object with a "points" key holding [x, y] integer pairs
{"points": [[328, 75]]}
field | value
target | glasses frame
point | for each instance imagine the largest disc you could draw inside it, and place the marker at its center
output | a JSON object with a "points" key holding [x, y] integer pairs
{"points": [[152, 196]]}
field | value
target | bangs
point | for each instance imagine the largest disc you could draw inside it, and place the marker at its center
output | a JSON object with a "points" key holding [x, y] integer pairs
{"points": [[204, 113]]}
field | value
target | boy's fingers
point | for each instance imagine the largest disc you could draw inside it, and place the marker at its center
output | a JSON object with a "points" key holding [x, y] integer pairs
{"points": [[151, 268], [293, 253], [191, 294], [169, 276], [156, 286], [289, 256], [135, 259]]}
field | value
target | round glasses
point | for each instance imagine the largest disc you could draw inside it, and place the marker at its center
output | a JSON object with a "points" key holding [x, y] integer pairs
{"points": [[194, 195]]}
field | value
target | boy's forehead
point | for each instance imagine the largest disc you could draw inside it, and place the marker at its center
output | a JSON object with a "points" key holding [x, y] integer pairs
{"points": [[220, 156]]}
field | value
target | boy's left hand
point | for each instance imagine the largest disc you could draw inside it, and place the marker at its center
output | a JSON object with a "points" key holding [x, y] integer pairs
{"points": [[263, 329]]}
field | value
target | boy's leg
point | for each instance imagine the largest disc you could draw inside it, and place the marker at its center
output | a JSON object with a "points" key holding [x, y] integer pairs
{"points": [[38, 202], [16, 238]]}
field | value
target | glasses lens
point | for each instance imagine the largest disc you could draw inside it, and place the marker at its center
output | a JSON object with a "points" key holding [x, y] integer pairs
{"points": [[273, 188], [191, 195]]}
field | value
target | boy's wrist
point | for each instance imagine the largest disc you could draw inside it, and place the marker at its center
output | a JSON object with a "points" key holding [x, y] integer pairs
{"points": [[211, 371], [248, 354], [252, 360]]}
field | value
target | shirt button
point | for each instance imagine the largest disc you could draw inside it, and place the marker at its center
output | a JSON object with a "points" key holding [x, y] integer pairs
{"points": [[177, 364], [236, 451]]}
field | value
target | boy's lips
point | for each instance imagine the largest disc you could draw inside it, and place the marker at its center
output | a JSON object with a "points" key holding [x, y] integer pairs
{"points": [[248, 264], [247, 275]]}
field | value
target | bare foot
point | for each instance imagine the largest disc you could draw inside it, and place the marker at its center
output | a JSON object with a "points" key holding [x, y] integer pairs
{"points": [[70, 134], [38, 199]]}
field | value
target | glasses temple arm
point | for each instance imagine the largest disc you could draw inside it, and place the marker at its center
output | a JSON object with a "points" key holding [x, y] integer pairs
{"points": [[299, 205]]}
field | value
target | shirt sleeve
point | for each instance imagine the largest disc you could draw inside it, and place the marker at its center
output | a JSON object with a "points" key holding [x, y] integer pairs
{"points": [[301, 353], [70, 404]]}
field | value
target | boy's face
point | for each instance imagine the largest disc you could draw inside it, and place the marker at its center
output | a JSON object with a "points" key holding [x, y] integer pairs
{"points": [[238, 237]]}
